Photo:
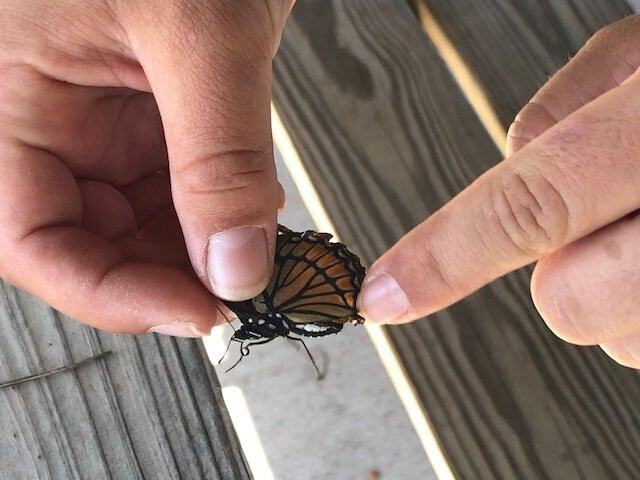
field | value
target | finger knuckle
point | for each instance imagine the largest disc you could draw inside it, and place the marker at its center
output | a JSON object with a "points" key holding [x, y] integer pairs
{"points": [[616, 37], [615, 33], [530, 212], [423, 253], [236, 171], [438, 272], [247, 27], [616, 44], [607, 35]]}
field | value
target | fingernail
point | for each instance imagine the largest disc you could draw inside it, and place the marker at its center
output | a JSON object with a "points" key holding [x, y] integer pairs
{"points": [[237, 263], [382, 300], [188, 330]]}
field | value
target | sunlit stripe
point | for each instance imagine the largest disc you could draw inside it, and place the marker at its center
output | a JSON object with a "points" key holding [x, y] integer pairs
{"points": [[300, 176], [247, 433], [463, 76], [240, 414], [410, 400], [379, 339]]}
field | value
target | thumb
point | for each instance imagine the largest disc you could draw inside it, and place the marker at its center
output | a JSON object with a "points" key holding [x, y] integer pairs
{"points": [[209, 67]]}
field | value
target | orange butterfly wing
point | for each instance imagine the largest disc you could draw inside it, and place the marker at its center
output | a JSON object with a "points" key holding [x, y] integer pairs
{"points": [[314, 280]]}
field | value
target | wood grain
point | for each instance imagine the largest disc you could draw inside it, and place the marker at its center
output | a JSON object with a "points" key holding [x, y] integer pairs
{"points": [[513, 46], [387, 138], [151, 409]]}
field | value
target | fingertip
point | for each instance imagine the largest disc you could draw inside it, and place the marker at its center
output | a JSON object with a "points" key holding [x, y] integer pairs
{"points": [[529, 123], [382, 300]]}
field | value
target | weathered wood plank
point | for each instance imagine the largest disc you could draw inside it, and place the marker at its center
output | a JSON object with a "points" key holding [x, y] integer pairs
{"points": [[152, 409], [513, 46], [387, 138]]}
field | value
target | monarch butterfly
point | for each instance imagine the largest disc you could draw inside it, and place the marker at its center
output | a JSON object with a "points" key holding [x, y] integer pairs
{"points": [[312, 292]]}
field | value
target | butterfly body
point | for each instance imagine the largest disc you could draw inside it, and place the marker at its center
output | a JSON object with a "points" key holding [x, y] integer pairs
{"points": [[257, 325], [312, 291]]}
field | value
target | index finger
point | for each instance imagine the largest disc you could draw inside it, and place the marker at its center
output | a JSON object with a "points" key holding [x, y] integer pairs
{"points": [[578, 176]]}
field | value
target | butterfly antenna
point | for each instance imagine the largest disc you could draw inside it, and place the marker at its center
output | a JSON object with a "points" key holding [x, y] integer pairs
{"points": [[320, 375], [230, 340], [225, 317]]}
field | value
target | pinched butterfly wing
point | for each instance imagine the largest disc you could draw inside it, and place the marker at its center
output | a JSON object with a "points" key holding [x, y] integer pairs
{"points": [[315, 281]]}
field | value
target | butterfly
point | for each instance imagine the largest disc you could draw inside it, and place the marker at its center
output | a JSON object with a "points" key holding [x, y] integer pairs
{"points": [[312, 293]]}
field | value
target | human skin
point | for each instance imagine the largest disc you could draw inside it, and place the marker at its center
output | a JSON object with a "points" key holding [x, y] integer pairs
{"points": [[566, 197], [136, 167]]}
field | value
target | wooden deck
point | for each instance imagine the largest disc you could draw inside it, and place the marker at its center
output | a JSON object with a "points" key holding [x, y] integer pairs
{"points": [[387, 137], [388, 130], [151, 409]]}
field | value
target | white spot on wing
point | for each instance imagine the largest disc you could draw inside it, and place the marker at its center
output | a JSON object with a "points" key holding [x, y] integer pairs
{"points": [[311, 327]]}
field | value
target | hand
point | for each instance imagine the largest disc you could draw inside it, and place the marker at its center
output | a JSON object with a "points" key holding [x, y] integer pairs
{"points": [[566, 196], [86, 170]]}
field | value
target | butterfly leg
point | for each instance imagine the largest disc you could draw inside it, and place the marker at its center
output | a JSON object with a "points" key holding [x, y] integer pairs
{"points": [[232, 339], [320, 375], [244, 349]]}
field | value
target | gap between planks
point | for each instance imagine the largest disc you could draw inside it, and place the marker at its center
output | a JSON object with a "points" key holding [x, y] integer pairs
{"points": [[462, 75], [382, 344]]}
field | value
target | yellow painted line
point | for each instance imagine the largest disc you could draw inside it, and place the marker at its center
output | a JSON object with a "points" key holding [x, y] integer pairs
{"points": [[463, 75], [380, 340]]}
